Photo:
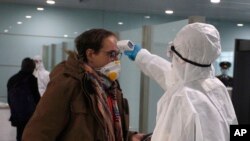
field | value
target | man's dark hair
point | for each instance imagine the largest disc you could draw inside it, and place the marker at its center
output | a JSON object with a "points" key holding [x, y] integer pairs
{"points": [[91, 39], [28, 65]]}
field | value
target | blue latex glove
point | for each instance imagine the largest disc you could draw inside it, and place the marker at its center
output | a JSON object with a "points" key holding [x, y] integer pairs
{"points": [[132, 53]]}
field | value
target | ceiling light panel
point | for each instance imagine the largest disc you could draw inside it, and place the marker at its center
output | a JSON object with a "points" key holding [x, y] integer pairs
{"points": [[169, 12], [51, 2], [215, 1], [40, 8]]}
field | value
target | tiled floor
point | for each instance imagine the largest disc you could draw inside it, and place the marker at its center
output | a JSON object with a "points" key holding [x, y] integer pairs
{"points": [[7, 132]]}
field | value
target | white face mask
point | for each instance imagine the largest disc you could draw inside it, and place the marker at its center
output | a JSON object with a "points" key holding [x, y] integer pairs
{"points": [[111, 70]]}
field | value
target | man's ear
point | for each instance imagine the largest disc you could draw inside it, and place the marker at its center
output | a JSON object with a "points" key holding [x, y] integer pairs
{"points": [[89, 54]]}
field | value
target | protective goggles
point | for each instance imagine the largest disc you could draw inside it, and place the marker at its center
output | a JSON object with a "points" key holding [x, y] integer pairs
{"points": [[172, 50]]}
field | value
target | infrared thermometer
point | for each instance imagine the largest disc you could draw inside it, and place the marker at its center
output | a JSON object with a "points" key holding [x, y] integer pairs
{"points": [[124, 45]]}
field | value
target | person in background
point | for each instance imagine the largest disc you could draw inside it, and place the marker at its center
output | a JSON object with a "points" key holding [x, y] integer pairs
{"points": [[224, 77], [83, 101], [196, 105], [41, 74], [23, 96]]}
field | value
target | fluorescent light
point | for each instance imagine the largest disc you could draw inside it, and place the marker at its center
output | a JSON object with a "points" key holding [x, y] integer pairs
{"points": [[169, 12], [120, 23], [240, 25], [215, 1], [28, 17], [147, 17], [40, 8], [65, 35], [50, 2], [6, 30], [19, 22]]}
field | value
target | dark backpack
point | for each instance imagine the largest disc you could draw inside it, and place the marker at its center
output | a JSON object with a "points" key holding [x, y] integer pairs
{"points": [[21, 101]]}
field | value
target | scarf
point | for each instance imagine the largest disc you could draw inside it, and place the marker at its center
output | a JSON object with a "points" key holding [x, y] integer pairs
{"points": [[106, 92]]}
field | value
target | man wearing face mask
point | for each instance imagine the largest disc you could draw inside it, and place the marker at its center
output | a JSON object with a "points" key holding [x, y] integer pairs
{"points": [[83, 101], [224, 77], [196, 105]]}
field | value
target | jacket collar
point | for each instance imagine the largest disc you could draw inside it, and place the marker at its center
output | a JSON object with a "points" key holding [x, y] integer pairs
{"points": [[72, 66]]}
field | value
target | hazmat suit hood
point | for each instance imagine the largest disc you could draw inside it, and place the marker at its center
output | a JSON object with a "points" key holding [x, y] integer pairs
{"points": [[199, 43], [39, 62]]}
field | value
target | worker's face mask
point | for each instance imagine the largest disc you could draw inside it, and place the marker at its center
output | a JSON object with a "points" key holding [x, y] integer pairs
{"points": [[224, 71], [111, 70]]}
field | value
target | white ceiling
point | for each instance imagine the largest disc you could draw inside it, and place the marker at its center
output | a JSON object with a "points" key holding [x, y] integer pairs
{"points": [[234, 10]]}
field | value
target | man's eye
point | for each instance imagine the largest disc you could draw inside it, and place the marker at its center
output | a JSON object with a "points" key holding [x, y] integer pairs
{"points": [[113, 54]]}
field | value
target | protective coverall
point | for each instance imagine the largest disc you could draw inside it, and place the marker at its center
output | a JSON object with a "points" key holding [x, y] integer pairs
{"points": [[196, 105], [41, 74]]}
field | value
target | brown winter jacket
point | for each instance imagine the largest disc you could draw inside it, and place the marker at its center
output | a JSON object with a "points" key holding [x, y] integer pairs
{"points": [[67, 112]]}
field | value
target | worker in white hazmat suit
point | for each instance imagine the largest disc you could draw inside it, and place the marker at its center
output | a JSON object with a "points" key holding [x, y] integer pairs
{"points": [[41, 74], [196, 105]]}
